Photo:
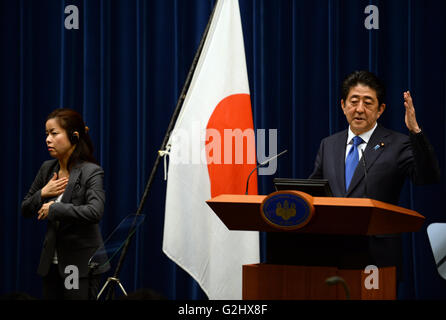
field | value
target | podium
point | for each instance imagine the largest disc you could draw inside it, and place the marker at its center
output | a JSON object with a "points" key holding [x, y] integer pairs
{"points": [[332, 241]]}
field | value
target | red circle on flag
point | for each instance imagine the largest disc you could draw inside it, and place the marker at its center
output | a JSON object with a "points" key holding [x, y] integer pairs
{"points": [[231, 159]]}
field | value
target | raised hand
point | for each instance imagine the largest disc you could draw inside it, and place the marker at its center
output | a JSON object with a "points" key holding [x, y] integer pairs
{"points": [[410, 118], [54, 187]]}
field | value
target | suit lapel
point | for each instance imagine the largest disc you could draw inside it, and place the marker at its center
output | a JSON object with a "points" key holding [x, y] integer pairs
{"points": [[74, 175], [53, 169], [371, 154], [339, 157]]}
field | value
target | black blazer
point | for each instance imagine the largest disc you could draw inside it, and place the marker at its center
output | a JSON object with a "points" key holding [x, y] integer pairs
{"points": [[390, 157], [72, 226]]}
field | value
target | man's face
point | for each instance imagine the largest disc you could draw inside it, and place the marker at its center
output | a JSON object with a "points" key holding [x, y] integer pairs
{"points": [[361, 108]]}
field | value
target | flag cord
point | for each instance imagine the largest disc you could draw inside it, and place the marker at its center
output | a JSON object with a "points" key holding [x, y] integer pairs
{"points": [[165, 153], [110, 291]]}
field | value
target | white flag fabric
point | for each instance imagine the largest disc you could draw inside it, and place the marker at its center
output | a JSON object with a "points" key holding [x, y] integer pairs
{"points": [[205, 162]]}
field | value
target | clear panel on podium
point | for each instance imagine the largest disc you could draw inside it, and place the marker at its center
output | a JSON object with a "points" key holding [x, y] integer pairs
{"points": [[116, 240], [437, 238]]}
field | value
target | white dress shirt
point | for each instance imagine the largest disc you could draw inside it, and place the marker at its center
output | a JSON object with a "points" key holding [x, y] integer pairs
{"points": [[364, 136]]}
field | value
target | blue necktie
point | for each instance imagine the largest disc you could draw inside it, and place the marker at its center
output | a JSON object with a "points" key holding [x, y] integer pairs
{"points": [[352, 161]]}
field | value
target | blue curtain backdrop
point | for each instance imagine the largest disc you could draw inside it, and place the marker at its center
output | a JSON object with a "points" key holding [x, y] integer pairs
{"points": [[124, 68]]}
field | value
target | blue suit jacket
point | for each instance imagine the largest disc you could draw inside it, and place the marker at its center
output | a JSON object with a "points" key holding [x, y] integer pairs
{"points": [[73, 222], [390, 157]]}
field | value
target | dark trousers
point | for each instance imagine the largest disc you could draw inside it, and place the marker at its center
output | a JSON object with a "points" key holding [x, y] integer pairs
{"points": [[54, 287]]}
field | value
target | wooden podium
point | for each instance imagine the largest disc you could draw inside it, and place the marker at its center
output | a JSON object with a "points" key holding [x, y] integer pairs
{"points": [[311, 253]]}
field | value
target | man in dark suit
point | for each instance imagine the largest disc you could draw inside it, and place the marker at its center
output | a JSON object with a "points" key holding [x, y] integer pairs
{"points": [[368, 160]]}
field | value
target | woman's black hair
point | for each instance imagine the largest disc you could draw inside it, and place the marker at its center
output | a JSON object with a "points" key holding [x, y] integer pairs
{"points": [[72, 122]]}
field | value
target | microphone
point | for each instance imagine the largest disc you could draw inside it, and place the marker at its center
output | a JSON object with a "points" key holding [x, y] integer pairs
{"points": [[335, 280], [261, 165], [365, 174]]}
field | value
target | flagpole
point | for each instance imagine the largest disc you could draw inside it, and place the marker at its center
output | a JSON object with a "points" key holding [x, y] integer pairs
{"points": [[112, 280]]}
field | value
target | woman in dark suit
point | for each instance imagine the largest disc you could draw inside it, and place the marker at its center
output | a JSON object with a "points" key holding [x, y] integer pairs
{"points": [[68, 193]]}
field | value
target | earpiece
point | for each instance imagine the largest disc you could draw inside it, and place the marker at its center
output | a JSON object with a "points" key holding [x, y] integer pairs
{"points": [[74, 137]]}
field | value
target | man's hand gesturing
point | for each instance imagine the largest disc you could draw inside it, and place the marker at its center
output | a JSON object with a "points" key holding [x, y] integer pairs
{"points": [[410, 118]]}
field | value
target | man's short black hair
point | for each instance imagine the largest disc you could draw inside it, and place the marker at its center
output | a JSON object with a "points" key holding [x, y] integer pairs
{"points": [[365, 78]]}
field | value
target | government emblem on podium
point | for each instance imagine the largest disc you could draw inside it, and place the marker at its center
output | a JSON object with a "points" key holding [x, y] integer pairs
{"points": [[287, 209]]}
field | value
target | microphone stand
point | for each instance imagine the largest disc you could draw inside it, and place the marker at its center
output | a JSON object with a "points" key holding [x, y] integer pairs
{"points": [[365, 174], [115, 277], [261, 165], [335, 280]]}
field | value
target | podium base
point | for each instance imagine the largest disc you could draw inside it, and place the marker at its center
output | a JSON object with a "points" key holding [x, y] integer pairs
{"points": [[289, 282]]}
